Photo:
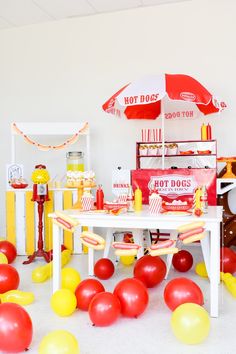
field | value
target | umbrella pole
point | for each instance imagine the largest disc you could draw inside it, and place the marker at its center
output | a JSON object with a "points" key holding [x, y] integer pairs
{"points": [[163, 136]]}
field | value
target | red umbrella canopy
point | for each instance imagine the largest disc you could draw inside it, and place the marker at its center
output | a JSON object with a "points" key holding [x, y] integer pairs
{"points": [[176, 94]]}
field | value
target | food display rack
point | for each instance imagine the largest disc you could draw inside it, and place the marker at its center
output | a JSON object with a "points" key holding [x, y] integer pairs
{"points": [[193, 164], [187, 154]]}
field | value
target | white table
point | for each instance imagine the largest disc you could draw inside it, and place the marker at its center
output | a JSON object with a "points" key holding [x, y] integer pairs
{"points": [[143, 220]]}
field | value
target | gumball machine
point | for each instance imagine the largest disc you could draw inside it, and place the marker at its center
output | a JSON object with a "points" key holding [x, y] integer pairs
{"points": [[40, 178]]}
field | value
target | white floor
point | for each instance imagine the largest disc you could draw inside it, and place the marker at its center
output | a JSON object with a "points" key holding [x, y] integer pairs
{"points": [[149, 334]]}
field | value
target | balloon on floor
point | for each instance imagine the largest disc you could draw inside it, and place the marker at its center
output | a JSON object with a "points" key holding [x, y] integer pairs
{"points": [[133, 297], [190, 323], [104, 309], [59, 342], [9, 250], [17, 297], [3, 258], [201, 270], [227, 260], [127, 260], [70, 278], [86, 291], [182, 261], [9, 278], [16, 328], [63, 302], [182, 290], [150, 270], [104, 268]]}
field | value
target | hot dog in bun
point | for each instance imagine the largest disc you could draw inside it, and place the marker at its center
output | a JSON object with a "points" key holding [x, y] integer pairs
{"points": [[125, 248], [64, 221], [191, 232], [163, 247], [92, 240]]}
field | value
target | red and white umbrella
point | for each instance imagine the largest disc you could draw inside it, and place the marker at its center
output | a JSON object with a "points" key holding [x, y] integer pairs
{"points": [[169, 95], [144, 98]]}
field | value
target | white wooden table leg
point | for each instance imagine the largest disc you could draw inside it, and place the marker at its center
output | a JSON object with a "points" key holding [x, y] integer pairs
{"points": [[205, 244], [109, 238], [138, 238], [90, 261], [214, 269], [173, 236], [56, 258]]}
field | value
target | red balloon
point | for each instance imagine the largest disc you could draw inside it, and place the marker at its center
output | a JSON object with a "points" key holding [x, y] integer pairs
{"points": [[227, 260], [85, 292], [150, 270], [104, 309], [104, 268], [9, 278], [9, 250], [180, 291], [50, 253], [133, 297], [182, 261], [15, 328]]}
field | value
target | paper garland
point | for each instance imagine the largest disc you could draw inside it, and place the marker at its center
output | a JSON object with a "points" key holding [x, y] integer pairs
{"points": [[42, 147]]}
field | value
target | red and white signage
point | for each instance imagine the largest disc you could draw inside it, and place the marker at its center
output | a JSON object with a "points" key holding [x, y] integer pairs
{"points": [[175, 184]]}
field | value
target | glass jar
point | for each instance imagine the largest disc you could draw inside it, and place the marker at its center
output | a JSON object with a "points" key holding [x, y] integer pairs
{"points": [[75, 161]]}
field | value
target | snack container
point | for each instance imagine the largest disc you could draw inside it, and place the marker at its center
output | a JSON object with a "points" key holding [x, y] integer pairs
{"points": [[87, 202], [143, 149], [155, 204], [152, 150], [172, 149], [159, 149]]}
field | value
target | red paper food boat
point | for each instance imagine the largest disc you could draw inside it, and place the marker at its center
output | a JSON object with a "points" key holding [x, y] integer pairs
{"points": [[19, 185], [176, 207]]}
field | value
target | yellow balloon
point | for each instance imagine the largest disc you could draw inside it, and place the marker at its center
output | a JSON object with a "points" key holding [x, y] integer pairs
{"points": [[200, 269], [42, 273], [17, 297], [70, 279], [3, 258], [190, 323], [230, 282], [127, 260], [63, 302], [59, 342]]}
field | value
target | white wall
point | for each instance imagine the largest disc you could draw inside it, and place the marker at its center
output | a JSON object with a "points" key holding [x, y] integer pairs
{"points": [[66, 70]]}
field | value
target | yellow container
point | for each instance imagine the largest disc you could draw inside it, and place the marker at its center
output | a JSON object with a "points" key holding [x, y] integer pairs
{"points": [[138, 199], [75, 161]]}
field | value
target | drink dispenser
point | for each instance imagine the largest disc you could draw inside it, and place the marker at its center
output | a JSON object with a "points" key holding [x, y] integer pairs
{"points": [[75, 161]]}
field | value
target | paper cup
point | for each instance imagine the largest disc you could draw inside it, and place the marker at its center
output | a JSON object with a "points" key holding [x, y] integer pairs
{"points": [[155, 205], [152, 151], [143, 150], [87, 203], [172, 151]]}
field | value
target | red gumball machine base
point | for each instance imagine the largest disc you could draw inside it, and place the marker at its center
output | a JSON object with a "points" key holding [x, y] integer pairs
{"points": [[40, 252]]}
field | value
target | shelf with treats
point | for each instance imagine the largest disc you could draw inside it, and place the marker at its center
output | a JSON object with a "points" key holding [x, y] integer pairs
{"points": [[176, 155], [201, 150]]}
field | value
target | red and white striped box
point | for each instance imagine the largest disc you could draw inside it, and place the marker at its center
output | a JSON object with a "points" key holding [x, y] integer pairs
{"points": [[155, 204], [87, 203]]}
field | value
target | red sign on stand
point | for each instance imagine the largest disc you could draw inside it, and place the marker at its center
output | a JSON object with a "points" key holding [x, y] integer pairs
{"points": [[175, 183]]}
